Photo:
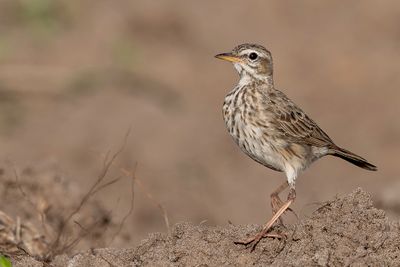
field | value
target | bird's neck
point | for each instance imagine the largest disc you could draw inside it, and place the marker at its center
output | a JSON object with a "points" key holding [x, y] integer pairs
{"points": [[247, 78]]}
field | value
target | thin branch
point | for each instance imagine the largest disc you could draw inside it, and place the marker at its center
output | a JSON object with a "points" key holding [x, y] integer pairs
{"points": [[148, 195], [81, 226], [67, 247], [55, 246], [139, 183], [29, 200], [101, 187], [130, 207]]}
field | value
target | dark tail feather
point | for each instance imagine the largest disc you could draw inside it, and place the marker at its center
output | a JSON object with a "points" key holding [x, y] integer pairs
{"points": [[352, 158]]}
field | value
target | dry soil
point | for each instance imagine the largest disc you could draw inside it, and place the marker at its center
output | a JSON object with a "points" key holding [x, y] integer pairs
{"points": [[345, 231]]}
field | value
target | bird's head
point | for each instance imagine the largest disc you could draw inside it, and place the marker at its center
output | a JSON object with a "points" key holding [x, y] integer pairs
{"points": [[250, 60]]}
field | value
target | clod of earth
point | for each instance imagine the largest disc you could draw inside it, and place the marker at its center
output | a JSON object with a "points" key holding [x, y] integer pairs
{"points": [[347, 231]]}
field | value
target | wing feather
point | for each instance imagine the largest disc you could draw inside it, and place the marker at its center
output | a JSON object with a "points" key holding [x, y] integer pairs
{"points": [[294, 124]]}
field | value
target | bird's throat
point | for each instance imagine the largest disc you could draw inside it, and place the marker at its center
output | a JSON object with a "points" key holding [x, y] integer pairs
{"points": [[247, 78]]}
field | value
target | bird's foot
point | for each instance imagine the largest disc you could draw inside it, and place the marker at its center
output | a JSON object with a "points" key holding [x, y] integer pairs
{"points": [[264, 232], [253, 241]]}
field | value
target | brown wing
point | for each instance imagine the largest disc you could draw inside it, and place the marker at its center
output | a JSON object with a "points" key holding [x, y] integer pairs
{"points": [[295, 125]]}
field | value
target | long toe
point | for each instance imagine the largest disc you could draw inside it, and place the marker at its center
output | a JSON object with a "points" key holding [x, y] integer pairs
{"points": [[253, 241]]}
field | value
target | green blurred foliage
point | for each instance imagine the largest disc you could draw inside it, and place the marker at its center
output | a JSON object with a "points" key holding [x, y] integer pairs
{"points": [[11, 111], [4, 262], [84, 83], [41, 18], [124, 54], [5, 48]]}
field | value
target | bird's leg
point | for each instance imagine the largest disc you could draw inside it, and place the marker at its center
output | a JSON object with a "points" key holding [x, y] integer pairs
{"points": [[276, 202], [264, 232]]}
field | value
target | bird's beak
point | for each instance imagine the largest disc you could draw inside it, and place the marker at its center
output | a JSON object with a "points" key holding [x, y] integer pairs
{"points": [[228, 57]]}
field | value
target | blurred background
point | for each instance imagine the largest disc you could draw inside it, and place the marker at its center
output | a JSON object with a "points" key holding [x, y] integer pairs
{"points": [[75, 75]]}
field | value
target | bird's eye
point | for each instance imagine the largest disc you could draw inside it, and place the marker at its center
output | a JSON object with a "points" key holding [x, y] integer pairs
{"points": [[253, 56]]}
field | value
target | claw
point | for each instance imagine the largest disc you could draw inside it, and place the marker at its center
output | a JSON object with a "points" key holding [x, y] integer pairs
{"points": [[264, 232], [253, 241]]}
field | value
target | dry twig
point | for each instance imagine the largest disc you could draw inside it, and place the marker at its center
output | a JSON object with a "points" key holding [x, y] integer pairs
{"points": [[42, 215], [57, 246], [130, 207]]}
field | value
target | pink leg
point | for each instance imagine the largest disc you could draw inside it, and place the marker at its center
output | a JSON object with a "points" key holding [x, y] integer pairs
{"points": [[276, 202], [264, 232]]}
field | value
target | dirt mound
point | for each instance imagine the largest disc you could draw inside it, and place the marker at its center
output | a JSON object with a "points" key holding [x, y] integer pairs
{"points": [[347, 231]]}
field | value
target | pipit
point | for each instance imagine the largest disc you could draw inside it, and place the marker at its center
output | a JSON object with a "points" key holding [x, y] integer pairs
{"points": [[272, 130]]}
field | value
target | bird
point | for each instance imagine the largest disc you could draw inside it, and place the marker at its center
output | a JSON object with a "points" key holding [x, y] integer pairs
{"points": [[272, 130]]}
